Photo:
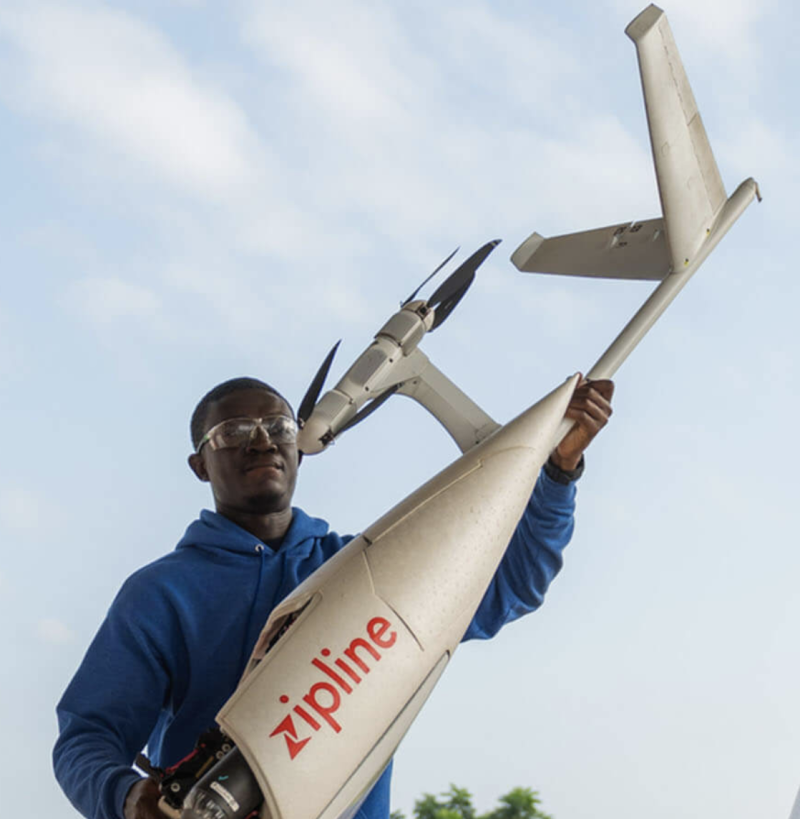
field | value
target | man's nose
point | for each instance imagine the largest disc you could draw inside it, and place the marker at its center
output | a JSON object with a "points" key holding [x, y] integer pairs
{"points": [[259, 439]]}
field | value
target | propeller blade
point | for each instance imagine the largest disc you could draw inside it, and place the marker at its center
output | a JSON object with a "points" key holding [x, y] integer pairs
{"points": [[444, 308], [312, 393], [370, 408], [452, 289], [411, 297]]}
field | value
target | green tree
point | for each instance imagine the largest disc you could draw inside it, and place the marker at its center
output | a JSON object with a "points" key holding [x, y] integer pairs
{"points": [[519, 803]]}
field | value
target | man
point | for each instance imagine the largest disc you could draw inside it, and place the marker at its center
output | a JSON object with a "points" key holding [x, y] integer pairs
{"points": [[177, 637]]}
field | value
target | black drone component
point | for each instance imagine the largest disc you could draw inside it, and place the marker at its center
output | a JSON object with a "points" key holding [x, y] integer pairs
{"points": [[177, 780], [452, 289], [438, 268], [228, 791], [312, 393], [368, 409]]}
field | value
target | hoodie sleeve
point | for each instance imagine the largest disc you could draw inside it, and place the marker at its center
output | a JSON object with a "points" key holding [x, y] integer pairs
{"points": [[111, 706], [531, 561]]}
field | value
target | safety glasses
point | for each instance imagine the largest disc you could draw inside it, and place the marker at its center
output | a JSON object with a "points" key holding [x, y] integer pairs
{"points": [[237, 432]]}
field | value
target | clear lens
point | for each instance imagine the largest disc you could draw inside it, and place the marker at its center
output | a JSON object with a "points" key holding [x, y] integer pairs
{"points": [[236, 432], [201, 805], [281, 429]]}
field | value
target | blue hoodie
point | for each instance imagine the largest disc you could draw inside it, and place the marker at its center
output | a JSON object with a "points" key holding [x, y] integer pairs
{"points": [[178, 635]]}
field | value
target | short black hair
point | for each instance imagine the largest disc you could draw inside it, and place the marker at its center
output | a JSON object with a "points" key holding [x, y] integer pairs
{"points": [[200, 414]]}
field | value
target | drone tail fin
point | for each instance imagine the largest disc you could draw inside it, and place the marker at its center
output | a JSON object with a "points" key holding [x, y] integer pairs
{"points": [[695, 207], [689, 183]]}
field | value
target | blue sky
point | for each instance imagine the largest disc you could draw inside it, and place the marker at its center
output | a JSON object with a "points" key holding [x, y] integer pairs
{"points": [[198, 190]]}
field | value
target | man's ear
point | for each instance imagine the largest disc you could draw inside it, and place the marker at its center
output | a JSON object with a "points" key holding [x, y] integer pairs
{"points": [[198, 466]]}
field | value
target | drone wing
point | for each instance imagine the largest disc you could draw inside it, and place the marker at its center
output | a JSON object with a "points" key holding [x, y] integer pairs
{"points": [[633, 250]]}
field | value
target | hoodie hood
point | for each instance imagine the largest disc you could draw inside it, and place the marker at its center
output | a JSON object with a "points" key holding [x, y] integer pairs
{"points": [[213, 531]]}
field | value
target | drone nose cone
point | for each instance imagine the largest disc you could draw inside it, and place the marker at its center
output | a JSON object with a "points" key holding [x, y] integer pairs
{"points": [[432, 557]]}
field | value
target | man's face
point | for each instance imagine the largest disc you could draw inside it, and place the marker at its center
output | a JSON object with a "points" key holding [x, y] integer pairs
{"points": [[258, 477]]}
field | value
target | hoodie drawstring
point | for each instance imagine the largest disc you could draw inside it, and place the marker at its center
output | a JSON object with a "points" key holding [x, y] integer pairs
{"points": [[261, 563]]}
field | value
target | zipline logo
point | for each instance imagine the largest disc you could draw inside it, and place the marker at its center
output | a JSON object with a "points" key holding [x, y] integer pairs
{"points": [[323, 698]]}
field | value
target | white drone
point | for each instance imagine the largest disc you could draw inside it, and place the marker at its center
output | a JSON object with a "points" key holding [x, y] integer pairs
{"points": [[345, 663]]}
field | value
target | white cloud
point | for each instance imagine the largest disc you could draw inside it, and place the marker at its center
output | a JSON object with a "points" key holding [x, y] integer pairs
{"points": [[377, 68], [106, 300], [114, 76], [400, 129], [520, 65], [20, 508], [344, 57], [599, 174], [245, 308], [53, 631], [366, 100], [769, 145], [755, 148], [387, 140], [432, 123]]}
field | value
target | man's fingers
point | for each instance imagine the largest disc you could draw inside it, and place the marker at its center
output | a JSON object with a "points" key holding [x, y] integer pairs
{"points": [[142, 801], [605, 386], [590, 401], [589, 422], [590, 408], [595, 405], [589, 413]]}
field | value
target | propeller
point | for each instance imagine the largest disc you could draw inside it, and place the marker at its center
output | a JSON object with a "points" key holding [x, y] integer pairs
{"points": [[442, 302], [312, 393], [452, 289], [370, 408], [411, 297]]}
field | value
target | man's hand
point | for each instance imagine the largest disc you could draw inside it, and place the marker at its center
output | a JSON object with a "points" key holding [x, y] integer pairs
{"points": [[590, 408], [142, 801]]}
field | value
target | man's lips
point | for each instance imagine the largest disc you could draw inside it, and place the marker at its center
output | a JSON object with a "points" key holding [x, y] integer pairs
{"points": [[264, 465]]}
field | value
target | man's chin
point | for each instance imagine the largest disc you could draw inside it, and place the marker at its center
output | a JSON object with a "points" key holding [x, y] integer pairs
{"points": [[267, 503]]}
